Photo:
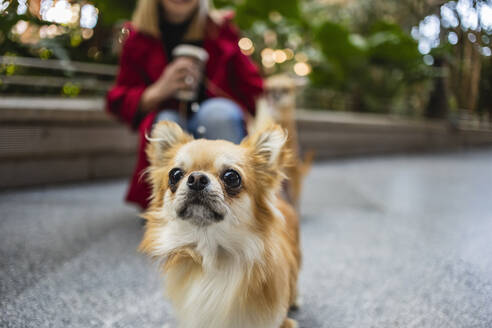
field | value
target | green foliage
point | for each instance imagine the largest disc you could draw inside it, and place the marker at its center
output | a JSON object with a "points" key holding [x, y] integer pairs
{"points": [[372, 61], [70, 90], [113, 11], [251, 11], [374, 68], [343, 56], [221, 3], [389, 45]]}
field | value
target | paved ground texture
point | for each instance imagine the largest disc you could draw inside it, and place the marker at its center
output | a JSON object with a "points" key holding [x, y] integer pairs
{"points": [[388, 242]]}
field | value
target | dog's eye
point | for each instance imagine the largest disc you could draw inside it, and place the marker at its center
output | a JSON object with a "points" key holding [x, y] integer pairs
{"points": [[175, 175], [232, 179]]}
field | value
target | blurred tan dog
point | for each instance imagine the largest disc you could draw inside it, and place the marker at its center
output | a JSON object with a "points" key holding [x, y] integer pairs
{"points": [[278, 106], [228, 243]]}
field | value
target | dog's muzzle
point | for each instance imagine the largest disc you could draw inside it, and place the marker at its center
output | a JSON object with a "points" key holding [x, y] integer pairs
{"points": [[200, 206]]}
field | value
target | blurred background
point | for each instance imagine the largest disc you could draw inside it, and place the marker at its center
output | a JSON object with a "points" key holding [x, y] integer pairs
{"points": [[389, 241], [422, 58], [423, 66]]}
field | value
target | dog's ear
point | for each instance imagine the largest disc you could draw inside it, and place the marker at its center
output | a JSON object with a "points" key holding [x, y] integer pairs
{"points": [[165, 136], [268, 149], [268, 143]]}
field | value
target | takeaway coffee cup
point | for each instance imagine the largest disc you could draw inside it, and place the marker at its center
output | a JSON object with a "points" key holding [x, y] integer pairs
{"points": [[200, 57]]}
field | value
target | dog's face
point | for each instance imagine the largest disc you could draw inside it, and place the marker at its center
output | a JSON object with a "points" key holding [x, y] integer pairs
{"points": [[205, 182]]}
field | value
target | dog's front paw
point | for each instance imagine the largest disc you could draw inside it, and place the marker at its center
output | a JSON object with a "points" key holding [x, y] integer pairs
{"points": [[297, 304], [289, 323]]}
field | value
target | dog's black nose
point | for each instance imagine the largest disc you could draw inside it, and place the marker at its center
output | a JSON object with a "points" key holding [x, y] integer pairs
{"points": [[197, 181]]}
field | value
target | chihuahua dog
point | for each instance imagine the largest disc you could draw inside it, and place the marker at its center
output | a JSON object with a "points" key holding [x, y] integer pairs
{"points": [[228, 244]]}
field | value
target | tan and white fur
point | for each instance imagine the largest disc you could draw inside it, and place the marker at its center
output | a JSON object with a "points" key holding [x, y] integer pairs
{"points": [[229, 252]]}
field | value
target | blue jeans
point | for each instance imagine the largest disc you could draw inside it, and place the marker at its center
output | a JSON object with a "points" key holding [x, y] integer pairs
{"points": [[217, 118]]}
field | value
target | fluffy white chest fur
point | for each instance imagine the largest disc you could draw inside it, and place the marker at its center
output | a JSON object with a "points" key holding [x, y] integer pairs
{"points": [[214, 296], [214, 300]]}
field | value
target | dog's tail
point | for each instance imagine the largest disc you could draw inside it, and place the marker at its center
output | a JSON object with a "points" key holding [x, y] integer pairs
{"points": [[295, 177], [299, 167]]}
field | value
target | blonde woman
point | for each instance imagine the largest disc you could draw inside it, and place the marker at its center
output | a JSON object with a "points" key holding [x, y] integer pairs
{"points": [[150, 78]]}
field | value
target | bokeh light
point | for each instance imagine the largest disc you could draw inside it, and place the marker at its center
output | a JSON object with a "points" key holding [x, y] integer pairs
{"points": [[453, 38], [428, 33], [22, 8], [20, 27], [3, 5], [88, 16], [279, 56], [486, 51], [59, 12], [486, 16], [267, 53], [267, 58], [472, 37], [448, 15], [289, 53], [302, 69], [470, 16], [245, 44], [429, 60]]}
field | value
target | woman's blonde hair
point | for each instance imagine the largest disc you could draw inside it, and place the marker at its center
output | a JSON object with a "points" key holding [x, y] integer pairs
{"points": [[146, 19]]}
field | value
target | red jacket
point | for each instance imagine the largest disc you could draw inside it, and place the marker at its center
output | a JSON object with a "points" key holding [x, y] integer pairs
{"points": [[143, 60]]}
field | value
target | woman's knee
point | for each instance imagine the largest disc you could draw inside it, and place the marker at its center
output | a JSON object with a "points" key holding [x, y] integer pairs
{"points": [[219, 109], [169, 115], [220, 118]]}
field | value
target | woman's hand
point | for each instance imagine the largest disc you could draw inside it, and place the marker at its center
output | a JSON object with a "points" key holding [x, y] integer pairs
{"points": [[181, 73]]}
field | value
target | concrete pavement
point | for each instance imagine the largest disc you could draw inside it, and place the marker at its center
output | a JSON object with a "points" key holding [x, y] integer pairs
{"points": [[388, 242]]}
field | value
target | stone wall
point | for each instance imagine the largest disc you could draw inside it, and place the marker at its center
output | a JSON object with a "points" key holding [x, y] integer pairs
{"points": [[46, 141]]}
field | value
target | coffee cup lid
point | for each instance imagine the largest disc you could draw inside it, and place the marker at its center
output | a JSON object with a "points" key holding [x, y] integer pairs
{"points": [[189, 50]]}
